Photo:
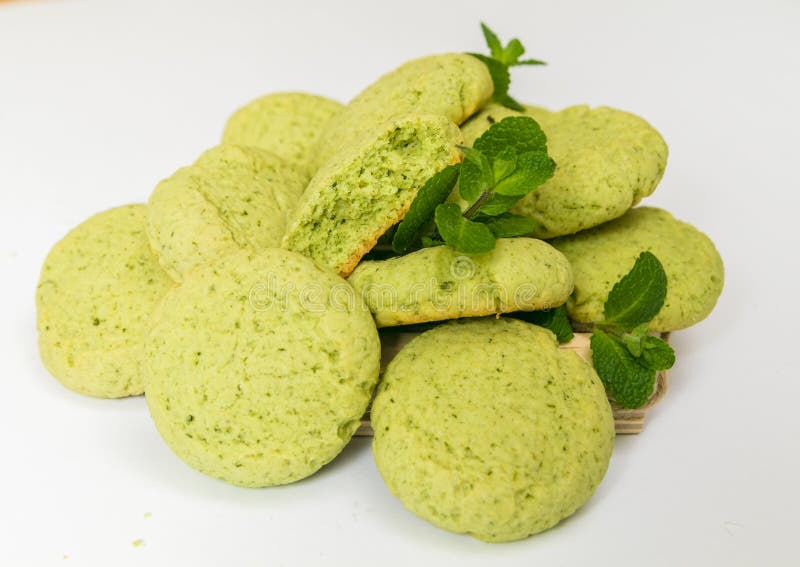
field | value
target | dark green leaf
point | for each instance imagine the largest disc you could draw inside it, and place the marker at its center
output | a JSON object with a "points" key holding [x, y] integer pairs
{"points": [[633, 340], [434, 192], [512, 52], [521, 134], [476, 175], [533, 169], [428, 242], [501, 79], [530, 62], [504, 164], [553, 319], [498, 204], [625, 379], [492, 41], [508, 225], [461, 234], [657, 354], [639, 295]]}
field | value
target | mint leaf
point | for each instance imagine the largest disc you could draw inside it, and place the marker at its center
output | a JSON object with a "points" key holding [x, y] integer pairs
{"points": [[495, 47], [477, 175], [657, 354], [531, 62], [533, 169], [626, 380], [508, 225], [428, 242], [553, 319], [434, 192], [520, 134], [504, 164], [639, 295], [501, 79], [633, 341], [497, 204], [463, 235]]}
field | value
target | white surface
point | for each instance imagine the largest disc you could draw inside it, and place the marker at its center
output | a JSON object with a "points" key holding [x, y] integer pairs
{"points": [[99, 100]]}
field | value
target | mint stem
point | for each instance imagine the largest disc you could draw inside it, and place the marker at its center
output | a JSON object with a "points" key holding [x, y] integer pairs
{"points": [[473, 209]]}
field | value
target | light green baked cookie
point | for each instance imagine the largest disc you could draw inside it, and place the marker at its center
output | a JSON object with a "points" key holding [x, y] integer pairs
{"points": [[486, 427], [96, 292], [353, 200], [286, 124], [454, 85], [607, 160], [602, 255], [232, 197], [433, 284], [260, 367]]}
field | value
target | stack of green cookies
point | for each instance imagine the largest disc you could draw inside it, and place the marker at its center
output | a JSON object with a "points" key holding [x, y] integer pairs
{"points": [[240, 302]]}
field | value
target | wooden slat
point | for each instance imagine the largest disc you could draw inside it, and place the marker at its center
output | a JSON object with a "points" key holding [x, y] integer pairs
{"points": [[627, 421]]}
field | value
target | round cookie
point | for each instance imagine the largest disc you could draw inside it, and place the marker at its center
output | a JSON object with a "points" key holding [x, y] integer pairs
{"points": [[433, 284], [602, 255], [607, 160], [454, 85], [354, 199], [260, 367], [97, 289], [232, 197], [286, 124], [486, 427]]}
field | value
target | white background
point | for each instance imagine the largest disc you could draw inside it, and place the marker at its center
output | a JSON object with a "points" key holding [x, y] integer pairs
{"points": [[99, 100]]}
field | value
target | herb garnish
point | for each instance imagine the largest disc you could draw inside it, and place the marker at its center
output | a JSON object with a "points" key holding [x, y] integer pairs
{"points": [[625, 356]]}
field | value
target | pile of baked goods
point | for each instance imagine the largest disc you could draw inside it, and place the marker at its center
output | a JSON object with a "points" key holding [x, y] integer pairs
{"points": [[244, 299]]}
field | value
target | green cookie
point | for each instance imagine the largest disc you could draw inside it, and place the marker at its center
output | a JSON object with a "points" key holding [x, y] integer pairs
{"points": [[433, 284], [602, 255], [454, 85], [607, 160], [232, 197], [260, 367], [96, 292], [286, 124], [353, 200], [486, 427]]}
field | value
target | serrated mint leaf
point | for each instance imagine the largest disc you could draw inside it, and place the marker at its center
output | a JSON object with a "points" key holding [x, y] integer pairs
{"points": [[521, 134], [504, 164], [533, 169], [497, 205], [492, 41], [512, 52], [633, 340], [463, 235], [625, 379], [508, 225], [657, 354], [530, 62], [553, 319], [476, 175], [639, 295], [434, 192], [501, 79]]}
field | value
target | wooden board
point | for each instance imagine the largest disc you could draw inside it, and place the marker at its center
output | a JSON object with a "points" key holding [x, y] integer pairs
{"points": [[627, 421]]}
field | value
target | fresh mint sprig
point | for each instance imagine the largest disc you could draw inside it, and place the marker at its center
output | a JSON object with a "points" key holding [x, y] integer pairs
{"points": [[553, 319], [625, 356], [500, 59], [506, 163]]}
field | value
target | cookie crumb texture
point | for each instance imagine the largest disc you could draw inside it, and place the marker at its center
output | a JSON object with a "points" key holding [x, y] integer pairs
{"points": [[354, 199], [259, 369], [485, 427], [97, 289], [454, 85]]}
